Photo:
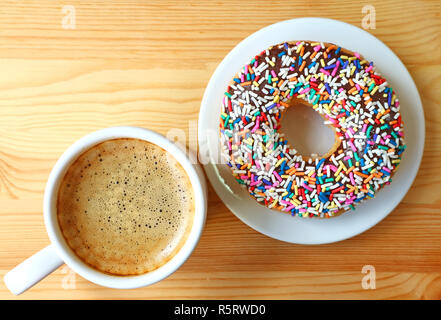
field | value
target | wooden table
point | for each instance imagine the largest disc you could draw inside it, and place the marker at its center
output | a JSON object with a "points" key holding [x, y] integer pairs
{"points": [[146, 63]]}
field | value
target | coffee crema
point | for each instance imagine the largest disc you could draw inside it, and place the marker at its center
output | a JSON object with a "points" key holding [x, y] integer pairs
{"points": [[125, 206]]}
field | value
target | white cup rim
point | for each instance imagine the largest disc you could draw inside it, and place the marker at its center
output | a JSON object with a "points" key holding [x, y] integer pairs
{"points": [[197, 180]]}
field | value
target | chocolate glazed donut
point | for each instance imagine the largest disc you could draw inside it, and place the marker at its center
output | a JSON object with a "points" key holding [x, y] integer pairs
{"points": [[354, 99]]}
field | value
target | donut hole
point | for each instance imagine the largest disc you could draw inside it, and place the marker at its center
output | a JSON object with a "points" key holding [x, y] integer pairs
{"points": [[306, 132]]}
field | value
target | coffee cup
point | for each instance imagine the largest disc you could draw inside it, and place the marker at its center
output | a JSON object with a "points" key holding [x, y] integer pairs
{"points": [[44, 262]]}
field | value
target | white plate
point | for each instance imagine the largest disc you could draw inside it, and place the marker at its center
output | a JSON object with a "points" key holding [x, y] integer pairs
{"points": [[280, 225]]}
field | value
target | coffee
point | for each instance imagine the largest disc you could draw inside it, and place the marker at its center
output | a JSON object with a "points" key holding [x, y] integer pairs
{"points": [[125, 206]]}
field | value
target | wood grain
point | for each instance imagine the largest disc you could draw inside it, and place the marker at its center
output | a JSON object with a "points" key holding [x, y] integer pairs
{"points": [[146, 63]]}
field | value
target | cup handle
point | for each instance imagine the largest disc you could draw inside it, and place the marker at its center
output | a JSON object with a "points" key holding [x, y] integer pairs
{"points": [[32, 270]]}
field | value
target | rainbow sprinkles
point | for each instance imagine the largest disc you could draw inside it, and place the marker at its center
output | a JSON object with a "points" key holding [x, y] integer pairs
{"points": [[348, 93]]}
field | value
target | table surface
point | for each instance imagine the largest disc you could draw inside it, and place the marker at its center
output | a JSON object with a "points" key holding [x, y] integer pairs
{"points": [[146, 63]]}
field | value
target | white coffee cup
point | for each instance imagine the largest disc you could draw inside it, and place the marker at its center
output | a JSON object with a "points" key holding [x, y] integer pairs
{"points": [[38, 266]]}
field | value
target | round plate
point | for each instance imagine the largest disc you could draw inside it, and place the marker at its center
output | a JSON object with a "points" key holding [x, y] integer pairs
{"points": [[280, 225]]}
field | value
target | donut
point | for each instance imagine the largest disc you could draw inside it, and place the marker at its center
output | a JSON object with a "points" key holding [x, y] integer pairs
{"points": [[353, 99]]}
